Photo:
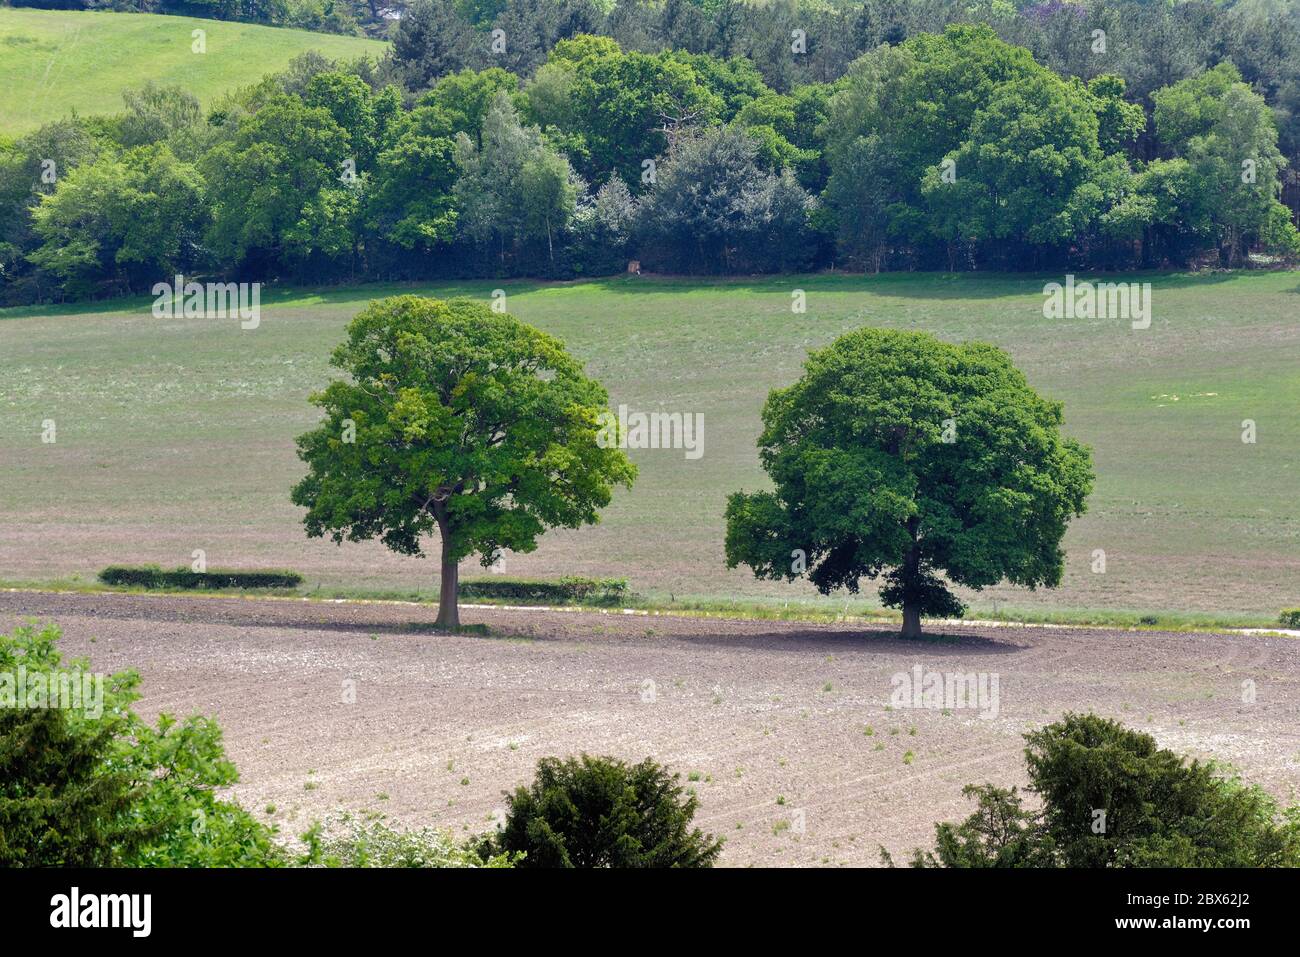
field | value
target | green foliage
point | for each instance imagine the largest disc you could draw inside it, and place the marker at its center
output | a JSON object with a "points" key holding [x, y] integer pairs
{"points": [[1029, 150], [591, 591], [934, 135], [151, 576], [349, 101], [1161, 810], [515, 192], [431, 41], [466, 421], [119, 223], [1111, 798], [920, 589], [278, 188], [533, 27], [602, 229], [898, 451], [62, 802], [1290, 617], [1222, 138], [97, 786], [603, 812], [965, 141], [480, 12], [67, 145], [158, 113], [734, 80], [782, 128], [626, 108], [369, 841], [1119, 123], [919, 100], [409, 202], [1001, 833], [466, 97], [713, 209]]}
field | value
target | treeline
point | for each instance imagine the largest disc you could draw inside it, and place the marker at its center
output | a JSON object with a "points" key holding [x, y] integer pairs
{"points": [[1150, 44], [953, 150], [347, 17]]}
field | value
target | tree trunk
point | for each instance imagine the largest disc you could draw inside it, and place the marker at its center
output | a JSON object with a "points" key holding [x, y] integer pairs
{"points": [[911, 571], [448, 593], [911, 620]]}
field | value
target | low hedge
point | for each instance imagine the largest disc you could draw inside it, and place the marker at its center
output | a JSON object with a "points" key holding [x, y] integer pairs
{"points": [[1290, 617], [151, 576], [533, 591]]}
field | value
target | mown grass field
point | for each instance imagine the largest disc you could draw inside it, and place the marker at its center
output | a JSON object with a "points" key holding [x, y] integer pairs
{"points": [[53, 62], [175, 435]]}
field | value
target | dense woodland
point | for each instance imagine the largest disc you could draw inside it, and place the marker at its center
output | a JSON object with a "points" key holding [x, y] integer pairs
{"points": [[563, 139]]}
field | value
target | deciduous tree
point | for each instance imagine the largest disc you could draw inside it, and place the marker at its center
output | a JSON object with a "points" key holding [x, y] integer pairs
{"points": [[460, 420], [899, 452]]}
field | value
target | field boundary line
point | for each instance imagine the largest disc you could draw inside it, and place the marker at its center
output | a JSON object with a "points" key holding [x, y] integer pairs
{"points": [[669, 613]]}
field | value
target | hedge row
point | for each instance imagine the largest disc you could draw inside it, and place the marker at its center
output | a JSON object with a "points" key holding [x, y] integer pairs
{"points": [[1290, 617], [564, 591], [151, 576]]}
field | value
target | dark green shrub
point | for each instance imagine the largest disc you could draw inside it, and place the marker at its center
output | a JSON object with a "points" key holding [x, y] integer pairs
{"points": [[603, 812], [132, 576], [1290, 617], [151, 576], [566, 591], [1001, 833], [1111, 798], [1160, 809], [97, 786], [60, 803]]}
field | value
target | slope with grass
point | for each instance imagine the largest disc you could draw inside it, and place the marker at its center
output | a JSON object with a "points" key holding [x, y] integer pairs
{"points": [[174, 435], [53, 62]]}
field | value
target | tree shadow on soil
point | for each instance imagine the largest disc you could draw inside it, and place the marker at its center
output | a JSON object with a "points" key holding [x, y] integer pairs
{"points": [[804, 640]]}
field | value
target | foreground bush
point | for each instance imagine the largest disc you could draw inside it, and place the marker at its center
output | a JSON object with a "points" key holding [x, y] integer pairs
{"points": [[348, 841], [1111, 798], [596, 591], [1290, 617], [151, 576], [97, 786], [603, 812]]}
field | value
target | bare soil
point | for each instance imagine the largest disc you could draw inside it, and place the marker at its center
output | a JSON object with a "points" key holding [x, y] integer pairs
{"points": [[785, 730]]}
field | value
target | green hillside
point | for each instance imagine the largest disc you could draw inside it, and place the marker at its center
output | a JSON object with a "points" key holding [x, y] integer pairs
{"points": [[55, 61], [177, 434]]}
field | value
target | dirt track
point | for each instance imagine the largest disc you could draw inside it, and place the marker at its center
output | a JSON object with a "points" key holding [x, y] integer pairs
{"points": [[759, 711]]}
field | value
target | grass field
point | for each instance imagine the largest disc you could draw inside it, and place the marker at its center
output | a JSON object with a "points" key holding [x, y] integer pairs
{"points": [[53, 62], [175, 435]]}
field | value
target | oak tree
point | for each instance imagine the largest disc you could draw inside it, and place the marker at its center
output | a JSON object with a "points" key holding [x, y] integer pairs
{"points": [[903, 455], [460, 420]]}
